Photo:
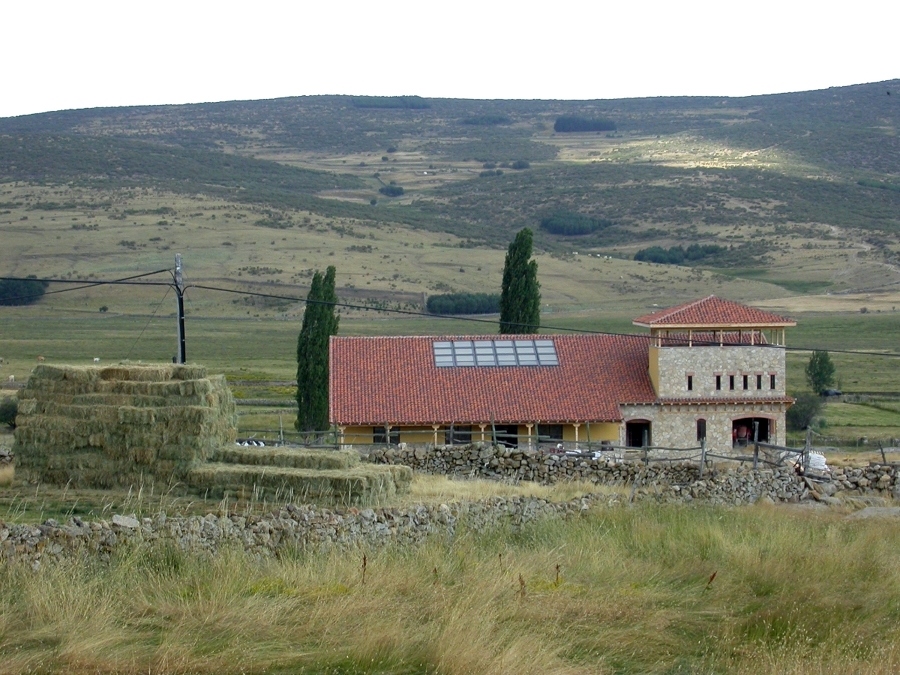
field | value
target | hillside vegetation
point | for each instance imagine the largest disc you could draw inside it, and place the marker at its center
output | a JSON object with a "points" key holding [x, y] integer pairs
{"points": [[792, 199]]}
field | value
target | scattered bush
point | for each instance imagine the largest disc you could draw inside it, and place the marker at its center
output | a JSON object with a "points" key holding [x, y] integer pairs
{"points": [[486, 120], [403, 102], [519, 165], [391, 190], [9, 408], [572, 123]]}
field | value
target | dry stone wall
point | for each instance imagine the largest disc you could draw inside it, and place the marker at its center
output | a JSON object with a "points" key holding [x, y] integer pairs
{"points": [[664, 481], [293, 527]]}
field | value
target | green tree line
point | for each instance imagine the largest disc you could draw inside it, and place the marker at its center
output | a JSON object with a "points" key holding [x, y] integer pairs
{"points": [[464, 303], [570, 123]]}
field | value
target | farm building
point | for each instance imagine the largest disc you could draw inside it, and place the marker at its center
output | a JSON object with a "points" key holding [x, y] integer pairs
{"points": [[710, 369]]}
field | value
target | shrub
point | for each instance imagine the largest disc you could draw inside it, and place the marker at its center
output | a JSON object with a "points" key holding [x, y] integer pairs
{"points": [[519, 165], [9, 408], [391, 190], [14, 292], [803, 412], [487, 120]]}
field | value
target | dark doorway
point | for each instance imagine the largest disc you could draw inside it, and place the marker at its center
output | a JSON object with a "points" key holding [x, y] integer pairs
{"points": [[637, 434], [742, 431], [507, 435], [459, 435]]}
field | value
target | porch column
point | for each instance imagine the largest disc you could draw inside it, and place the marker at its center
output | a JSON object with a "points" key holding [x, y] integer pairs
{"points": [[576, 425], [529, 426], [435, 427], [482, 427], [341, 434]]}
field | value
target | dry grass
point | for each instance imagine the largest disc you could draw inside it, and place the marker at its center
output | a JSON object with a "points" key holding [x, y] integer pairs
{"points": [[625, 590]]}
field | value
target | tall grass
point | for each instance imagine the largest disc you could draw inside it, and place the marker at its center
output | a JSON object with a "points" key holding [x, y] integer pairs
{"points": [[623, 590]]}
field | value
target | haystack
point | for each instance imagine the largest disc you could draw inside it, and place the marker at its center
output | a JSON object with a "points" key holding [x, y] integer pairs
{"points": [[120, 425]]}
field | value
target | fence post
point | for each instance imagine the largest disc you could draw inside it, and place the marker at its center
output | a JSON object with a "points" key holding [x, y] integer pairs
{"points": [[702, 456], [755, 445]]}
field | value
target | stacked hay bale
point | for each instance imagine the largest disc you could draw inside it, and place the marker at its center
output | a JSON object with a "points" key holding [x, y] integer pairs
{"points": [[122, 425], [334, 477]]}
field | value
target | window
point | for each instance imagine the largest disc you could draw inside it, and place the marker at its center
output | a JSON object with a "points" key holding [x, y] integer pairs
{"points": [[486, 353], [746, 382], [772, 381], [718, 382], [731, 382], [701, 430], [459, 435], [759, 381], [690, 382], [550, 433], [381, 435]]}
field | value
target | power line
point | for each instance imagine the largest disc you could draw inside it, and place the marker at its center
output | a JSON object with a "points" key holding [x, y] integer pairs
{"points": [[406, 312], [126, 281], [585, 331]]}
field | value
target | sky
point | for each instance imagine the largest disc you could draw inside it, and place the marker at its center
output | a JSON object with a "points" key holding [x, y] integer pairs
{"points": [[59, 55]]}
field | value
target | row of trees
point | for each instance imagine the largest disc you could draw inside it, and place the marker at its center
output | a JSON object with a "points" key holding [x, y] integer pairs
{"points": [[573, 224], [676, 255], [570, 123], [463, 303]]}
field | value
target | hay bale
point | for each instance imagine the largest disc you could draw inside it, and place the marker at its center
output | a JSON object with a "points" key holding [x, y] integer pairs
{"points": [[115, 425]]}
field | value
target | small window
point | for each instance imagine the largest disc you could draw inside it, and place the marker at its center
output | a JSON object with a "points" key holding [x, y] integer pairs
{"points": [[772, 381], [718, 382], [690, 382], [746, 382], [731, 382], [701, 430], [759, 381], [548, 433]]}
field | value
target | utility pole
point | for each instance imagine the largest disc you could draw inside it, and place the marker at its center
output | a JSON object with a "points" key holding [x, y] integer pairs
{"points": [[179, 292]]}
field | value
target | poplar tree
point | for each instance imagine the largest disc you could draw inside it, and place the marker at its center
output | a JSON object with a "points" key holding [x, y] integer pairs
{"points": [[520, 296], [320, 322]]}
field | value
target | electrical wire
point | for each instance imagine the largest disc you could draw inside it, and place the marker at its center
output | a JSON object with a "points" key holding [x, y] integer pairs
{"points": [[128, 281], [407, 312], [152, 316]]}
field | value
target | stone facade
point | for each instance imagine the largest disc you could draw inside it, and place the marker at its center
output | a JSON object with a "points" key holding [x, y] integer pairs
{"points": [[731, 363]]}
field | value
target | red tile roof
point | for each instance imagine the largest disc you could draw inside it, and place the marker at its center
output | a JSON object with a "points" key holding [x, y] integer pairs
{"points": [[378, 380], [712, 312]]}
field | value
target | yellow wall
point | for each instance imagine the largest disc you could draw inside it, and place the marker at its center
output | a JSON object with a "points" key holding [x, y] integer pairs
{"points": [[599, 431], [420, 435], [654, 367]]}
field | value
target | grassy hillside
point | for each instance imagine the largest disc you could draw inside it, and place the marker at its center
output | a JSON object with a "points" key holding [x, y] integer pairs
{"points": [[800, 192]]}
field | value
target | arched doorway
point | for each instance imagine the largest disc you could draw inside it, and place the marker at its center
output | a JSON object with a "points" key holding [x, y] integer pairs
{"points": [[637, 434], [742, 430]]}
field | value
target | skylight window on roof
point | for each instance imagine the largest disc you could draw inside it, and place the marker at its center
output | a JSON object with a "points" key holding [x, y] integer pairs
{"points": [[494, 353]]}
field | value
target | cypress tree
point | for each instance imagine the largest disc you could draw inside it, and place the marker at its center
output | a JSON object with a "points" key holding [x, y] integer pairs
{"points": [[320, 322], [520, 296]]}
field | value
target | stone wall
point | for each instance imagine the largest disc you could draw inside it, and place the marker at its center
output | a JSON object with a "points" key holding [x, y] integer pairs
{"points": [[705, 362], [298, 527], [668, 481]]}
